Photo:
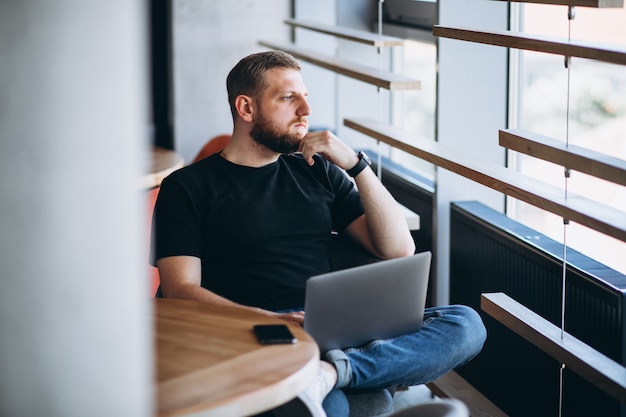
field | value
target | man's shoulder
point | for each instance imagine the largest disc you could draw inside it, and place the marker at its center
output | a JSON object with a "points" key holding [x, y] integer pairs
{"points": [[194, 174], [209, 163]]}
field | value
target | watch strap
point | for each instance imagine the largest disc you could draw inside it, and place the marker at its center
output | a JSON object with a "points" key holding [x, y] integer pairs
{"points": [[360, 166]]}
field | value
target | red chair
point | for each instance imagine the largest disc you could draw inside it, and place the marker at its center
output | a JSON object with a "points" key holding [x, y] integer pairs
{"points": [[214, 145], [153, 272]]}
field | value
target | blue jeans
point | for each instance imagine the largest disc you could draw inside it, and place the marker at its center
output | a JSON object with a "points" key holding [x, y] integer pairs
{"points": [[450, 337]]}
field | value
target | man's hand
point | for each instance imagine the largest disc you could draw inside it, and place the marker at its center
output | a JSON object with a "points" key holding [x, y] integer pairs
{"points": [[330, 147], [296, 317], [382, 230]]}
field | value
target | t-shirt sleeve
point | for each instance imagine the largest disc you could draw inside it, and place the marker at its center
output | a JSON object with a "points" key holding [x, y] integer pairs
{"points": [[347, 206], [175, 226]]}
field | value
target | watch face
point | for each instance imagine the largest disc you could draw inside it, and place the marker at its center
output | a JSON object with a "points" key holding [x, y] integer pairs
{"points": [[366, 158]]}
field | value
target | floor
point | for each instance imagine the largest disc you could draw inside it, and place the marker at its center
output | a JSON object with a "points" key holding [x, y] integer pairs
{"points": [[401, 400]]}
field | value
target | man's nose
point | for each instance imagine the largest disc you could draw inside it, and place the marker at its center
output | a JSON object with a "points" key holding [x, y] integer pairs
{"points": [[304, 109]]}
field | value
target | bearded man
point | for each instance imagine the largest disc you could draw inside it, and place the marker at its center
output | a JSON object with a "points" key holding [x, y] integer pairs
{"points": [[248, 226]]}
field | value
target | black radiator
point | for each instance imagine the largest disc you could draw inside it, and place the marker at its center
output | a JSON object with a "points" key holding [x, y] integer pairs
{"points": [[490, 253]]}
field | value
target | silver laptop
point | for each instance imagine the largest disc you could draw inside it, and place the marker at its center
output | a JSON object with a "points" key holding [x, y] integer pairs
{"points": [[352, 307]]}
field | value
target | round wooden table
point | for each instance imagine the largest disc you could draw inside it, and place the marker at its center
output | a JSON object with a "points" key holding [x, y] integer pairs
{"points": [[208, 360]]}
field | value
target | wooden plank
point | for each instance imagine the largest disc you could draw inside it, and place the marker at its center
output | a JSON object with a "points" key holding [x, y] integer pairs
{"points": [[163, 163], [572, 48], [600, 370], [382, 79], [354, 35], [452, 385], [582, 3], [592, 214], [569, 156]]}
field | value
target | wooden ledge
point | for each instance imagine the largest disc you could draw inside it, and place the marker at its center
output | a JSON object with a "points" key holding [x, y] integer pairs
{"points": [[580, 159], [452, 385], [354, 35], [592, 214], [382, 79], [517, 40], [592, 365], [582, 3], [162, 163]]}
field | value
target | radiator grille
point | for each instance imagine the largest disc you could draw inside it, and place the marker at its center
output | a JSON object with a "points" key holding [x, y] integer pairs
{"points": [[491, 253]]}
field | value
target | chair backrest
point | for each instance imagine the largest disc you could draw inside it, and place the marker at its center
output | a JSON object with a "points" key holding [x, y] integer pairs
{"points": [[214, 145], [153, 272]]}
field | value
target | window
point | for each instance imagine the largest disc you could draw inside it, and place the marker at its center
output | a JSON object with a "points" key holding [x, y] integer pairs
{"points": [[597, 119], [414, 111]]}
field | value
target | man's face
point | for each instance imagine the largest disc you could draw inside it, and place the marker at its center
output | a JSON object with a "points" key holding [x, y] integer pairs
{"points": [[280, 122]]}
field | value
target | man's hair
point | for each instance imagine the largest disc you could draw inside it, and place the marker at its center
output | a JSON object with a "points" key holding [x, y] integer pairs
{"points": [[247, 77]]}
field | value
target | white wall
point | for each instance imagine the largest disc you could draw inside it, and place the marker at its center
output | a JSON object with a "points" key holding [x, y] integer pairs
{"points": [[209, 38], [356, 98], [472, 106], [335, 97], [321, 83], [75, 325]]}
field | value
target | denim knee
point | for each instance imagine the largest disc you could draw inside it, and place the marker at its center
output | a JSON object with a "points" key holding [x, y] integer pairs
{"points": [[472, 334]]}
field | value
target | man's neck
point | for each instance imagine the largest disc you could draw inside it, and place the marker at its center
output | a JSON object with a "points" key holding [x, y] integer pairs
{"points": [[243, 150]]}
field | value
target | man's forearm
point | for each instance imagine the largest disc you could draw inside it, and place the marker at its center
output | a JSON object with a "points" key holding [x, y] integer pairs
{"points": [[196, 293], [386, 224]]}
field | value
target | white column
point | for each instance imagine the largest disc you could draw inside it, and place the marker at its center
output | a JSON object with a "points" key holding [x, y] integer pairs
{"points": [[472, 106], [75, 335]]}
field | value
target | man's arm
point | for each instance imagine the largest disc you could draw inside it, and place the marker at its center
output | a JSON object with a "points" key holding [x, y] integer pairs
{"points": [[181, 277], [382, 229]]}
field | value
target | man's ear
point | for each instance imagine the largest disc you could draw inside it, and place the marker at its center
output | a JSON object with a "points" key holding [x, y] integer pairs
{"points": [[245, 107]]}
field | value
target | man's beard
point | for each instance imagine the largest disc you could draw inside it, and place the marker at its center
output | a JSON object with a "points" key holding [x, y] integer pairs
{"points": [[266, 134]]}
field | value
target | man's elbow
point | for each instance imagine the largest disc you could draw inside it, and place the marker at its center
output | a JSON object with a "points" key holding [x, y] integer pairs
{"points": [[399, 251], [408, 250]]}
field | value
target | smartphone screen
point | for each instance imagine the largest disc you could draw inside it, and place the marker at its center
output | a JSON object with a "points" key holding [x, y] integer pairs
{"points": [[273, 333]]}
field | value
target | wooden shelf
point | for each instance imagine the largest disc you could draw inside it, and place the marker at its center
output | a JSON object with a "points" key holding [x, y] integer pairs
{"points": [[452, 385], [582, 3], [580, 159], [382, 79], [592, 365], [592, 214], [354, 35], [162, 163], [517, 40]]}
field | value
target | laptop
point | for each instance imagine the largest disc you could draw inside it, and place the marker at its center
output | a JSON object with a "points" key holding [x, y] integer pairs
{"points": [[351, 307]]}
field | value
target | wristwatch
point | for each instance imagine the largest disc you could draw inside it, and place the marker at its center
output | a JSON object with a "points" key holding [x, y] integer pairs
{"points": [[364, 162]]}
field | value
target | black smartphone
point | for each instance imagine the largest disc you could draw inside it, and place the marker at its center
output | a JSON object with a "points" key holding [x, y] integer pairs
{"points": [[273, 333]]}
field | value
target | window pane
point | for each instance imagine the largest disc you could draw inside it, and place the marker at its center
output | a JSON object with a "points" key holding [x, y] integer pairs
{"points": [[585, 107], [414, 111]]}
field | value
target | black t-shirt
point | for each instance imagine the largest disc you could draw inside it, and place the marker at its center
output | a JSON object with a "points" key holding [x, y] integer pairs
{"points": [[259, 232]]}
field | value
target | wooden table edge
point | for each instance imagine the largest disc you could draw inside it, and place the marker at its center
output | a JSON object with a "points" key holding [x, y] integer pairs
{"points": [[240, 403]]}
